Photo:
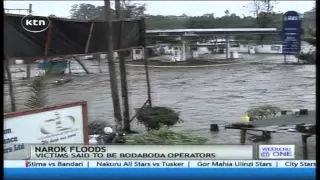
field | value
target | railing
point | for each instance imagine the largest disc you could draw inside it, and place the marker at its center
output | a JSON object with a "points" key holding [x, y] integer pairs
{"points": [[147, 101]]}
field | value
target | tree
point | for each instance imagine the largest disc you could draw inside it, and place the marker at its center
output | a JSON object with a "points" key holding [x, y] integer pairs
{"points": [[132, 10], [226, 12], [87, 12], [92, 12], [10, 83], [262, 11], [38, 97]]}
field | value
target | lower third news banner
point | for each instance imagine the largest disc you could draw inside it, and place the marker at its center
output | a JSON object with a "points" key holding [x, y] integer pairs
{"points": [[141, 152]]}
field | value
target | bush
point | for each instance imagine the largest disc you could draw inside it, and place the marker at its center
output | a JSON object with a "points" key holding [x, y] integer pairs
{"points": [[96, 127], [263, 112], [165, 137], [307, 57], [157, 117]]}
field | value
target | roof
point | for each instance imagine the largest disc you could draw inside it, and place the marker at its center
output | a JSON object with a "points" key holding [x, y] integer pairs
{"points": [[208, 32], [73, 20]]}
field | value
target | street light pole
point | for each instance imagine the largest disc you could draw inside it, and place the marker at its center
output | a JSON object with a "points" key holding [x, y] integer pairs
{"points": [[29, 10], [112, 70]]}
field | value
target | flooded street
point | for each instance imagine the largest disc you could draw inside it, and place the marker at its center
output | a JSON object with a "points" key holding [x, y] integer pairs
{"points": [[203, 96]]}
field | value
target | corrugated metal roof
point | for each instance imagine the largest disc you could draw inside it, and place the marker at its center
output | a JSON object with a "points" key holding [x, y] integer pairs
{"points": [[213, 30]]}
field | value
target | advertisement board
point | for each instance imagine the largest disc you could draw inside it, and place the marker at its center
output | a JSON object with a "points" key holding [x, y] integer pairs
{"points": [[60, 124], [291, 40]]}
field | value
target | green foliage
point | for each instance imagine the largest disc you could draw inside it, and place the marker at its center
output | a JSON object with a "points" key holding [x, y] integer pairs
{"points": [[312, 37], [164, 137], [263, 112], [130, 9], [96, 127], [87, 12], [311, 40], [91, 12], [157, 117], [37, 98], [309, 57], [262, 9]]}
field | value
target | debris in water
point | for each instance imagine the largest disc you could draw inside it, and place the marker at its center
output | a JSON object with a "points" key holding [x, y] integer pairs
{"points": [[18, 70], [62, 81], [23, 78]]}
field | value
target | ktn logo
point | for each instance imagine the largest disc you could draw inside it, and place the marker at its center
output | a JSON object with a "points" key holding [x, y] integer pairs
{"points": [[35, 24]]}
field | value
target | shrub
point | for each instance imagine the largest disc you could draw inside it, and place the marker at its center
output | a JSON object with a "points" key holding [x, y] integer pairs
{"points": [[263, 112], [308, 57], [157, 117], [312, 40], [165, 136]]}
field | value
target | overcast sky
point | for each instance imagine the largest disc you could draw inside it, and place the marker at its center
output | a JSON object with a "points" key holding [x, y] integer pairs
{"points": [[164, 7]]}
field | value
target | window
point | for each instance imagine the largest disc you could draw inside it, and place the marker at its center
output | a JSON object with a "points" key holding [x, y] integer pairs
{"points": [[138, 51], [275, 48]]}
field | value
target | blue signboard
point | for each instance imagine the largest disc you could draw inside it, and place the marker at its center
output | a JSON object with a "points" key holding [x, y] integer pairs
{"points": [[291, 40]]}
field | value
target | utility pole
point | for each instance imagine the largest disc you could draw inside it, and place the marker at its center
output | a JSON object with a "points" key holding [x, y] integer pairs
{"points": [[123, 73], [4, 72], [11, 94], [28, 61], [7, 70], [143, 29], [29, 10], [112, 70]]}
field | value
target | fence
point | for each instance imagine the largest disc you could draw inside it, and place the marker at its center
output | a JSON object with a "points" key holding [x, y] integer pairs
{"points": [[66, 36]]}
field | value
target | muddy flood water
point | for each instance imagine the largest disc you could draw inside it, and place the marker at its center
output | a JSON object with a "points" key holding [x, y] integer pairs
{"points": [[203, 96]]}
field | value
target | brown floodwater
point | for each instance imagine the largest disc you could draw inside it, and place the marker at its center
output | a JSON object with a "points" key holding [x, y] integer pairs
{"points": [[203, 96]]}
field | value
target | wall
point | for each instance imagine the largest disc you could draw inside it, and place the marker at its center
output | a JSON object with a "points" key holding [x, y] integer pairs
{"points": [[272, 49], [203, 50], [244, 48]]}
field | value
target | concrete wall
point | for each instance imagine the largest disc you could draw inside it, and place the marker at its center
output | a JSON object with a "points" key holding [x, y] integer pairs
{"points": [[19, 61], [105, 56], [272, 49], [244, 48], [203, 50]]}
